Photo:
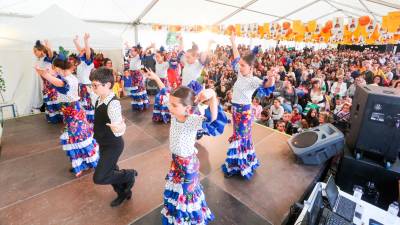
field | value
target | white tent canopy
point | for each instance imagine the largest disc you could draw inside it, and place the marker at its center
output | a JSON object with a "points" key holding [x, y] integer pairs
{"points": [[205, 11], [120, 17], [59, 27]]}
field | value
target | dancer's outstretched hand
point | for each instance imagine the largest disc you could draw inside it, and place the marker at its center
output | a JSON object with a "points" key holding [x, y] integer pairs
{"points": [[86, 36], [76, 38], [117, 127], [149, 73], [233, 37], [205, 95]]}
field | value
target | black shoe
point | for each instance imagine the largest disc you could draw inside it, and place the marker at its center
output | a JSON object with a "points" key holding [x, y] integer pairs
{"points": [[130, 184], [121, 197], [199, 135], [71, 170]]}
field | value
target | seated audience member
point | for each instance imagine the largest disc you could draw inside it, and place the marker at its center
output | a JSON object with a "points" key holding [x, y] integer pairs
{"points": [[377, 81], [256, 108], [280, 126], [289, 129], [312, 118], [289, 95], [276, 111], [342, 117], [323, 118], [296, 115], [266, 119]]}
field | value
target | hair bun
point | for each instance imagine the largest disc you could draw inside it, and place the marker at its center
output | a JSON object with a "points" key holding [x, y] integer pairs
{"points": [[38, 43]]}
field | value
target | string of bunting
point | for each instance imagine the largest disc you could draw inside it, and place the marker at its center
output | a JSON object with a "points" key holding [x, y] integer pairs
{"points": [[362, 30]]}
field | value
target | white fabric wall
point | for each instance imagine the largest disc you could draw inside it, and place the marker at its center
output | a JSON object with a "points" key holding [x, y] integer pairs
{"points": [[17, 37], [23, 86]]}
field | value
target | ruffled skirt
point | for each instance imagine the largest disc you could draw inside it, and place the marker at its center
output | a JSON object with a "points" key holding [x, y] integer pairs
{"points": [[140, 100], [241, 156], [160, 111], [184, 200], [86, 102], [77, 139], [52, 106]]}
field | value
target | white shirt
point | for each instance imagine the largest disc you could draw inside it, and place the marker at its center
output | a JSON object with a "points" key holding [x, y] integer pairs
{"points": [[72, 92], [191, 71], [83, 72], [113, 111], [244, 88], [43, 64], [162, 69], [182, 136], [135, 63], [342, 89]]}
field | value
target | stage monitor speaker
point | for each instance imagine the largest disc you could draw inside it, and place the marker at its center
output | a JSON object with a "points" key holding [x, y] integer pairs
{"points": [[375, 121], [318, 144]]}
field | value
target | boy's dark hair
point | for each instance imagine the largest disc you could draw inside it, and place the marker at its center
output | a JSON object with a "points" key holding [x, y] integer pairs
{"points": [[265, 113], [63, 64], [106, 60], [102, 75], [185, 94]]}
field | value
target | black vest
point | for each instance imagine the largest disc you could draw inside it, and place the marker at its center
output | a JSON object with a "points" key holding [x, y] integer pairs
{"points": [[103, 133]]}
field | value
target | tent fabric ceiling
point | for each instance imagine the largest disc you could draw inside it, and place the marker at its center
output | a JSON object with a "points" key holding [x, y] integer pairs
{"points": [[206, 11]]}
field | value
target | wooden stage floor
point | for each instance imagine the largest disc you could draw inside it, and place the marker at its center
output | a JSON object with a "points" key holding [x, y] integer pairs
{"points": [[36, 187]]}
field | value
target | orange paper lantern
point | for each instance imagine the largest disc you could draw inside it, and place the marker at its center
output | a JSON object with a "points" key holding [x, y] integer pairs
{"points": [[231, 29], [289, 32], [329, 24], [286, 25], [364, 20], [325, 29]]}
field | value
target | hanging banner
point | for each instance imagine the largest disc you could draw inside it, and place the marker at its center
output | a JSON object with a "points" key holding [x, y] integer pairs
{"points": [[353, 23], [362, 30], [337, 30]]}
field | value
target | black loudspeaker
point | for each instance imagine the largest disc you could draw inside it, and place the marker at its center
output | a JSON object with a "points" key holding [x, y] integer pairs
{"points": [[359, 172], [316, 145], [375, 122]]}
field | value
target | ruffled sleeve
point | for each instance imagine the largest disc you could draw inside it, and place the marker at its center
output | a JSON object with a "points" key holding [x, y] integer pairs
{"points": [[217, 126], [235, 64], [263, 92], [195, 86], [48, 59], [64, 89], [84, 59]]}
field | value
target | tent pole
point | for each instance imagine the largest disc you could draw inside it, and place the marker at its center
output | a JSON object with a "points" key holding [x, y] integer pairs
{"points": [[244, 9], [236, 11], [387, 4], [351, 7], [369, 11]]}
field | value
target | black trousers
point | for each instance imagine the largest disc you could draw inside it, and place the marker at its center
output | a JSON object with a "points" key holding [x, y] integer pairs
{"points": [[107, 170]]}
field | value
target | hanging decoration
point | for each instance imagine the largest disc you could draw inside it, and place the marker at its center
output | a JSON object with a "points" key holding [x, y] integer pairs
{"points": [[362, 30]]}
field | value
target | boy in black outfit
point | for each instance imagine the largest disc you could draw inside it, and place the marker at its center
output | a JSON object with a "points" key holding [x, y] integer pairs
{"points": [[108, 130]]}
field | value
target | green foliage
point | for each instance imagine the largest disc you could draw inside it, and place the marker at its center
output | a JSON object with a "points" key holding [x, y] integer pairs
{"points": [[2, 83]]}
